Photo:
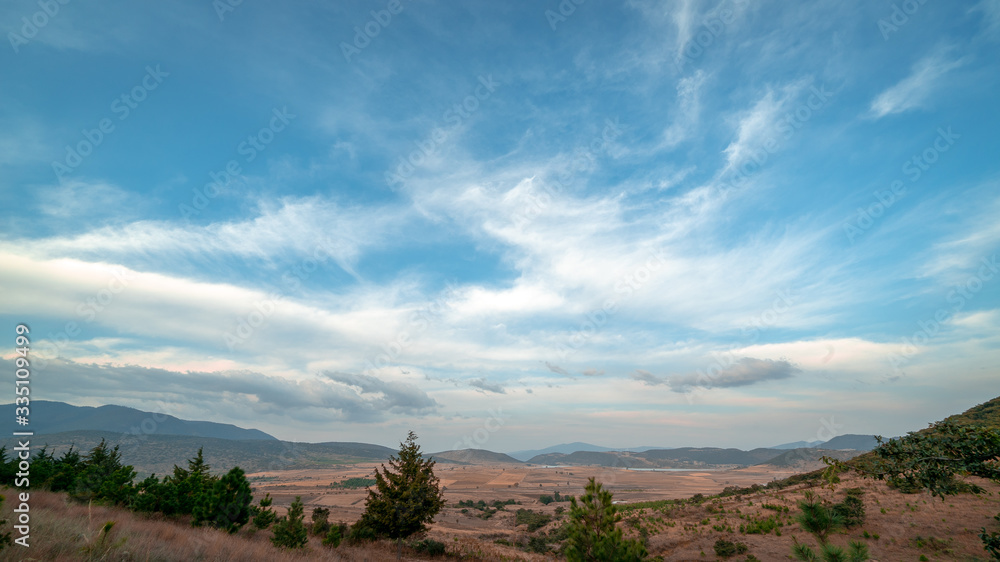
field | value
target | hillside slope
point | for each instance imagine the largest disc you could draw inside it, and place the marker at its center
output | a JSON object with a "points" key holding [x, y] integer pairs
{"points": [[473, 456], [159, 453], [57, 417]]}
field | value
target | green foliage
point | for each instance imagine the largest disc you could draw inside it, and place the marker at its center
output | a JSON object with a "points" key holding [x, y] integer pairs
{"points": [[405, 498], [335, 535], [533, 519], [359, 533], [546, 499], [726, 548], [289, 531], [185, 487], [320, 522], [852, 509], [103, 477], [760, 526], [858, 552], [226, 505], [430, 547], [930, 459], [101, 546], [991, 541], [592, 531], [353, 483], [817, 518], [263, 515]]}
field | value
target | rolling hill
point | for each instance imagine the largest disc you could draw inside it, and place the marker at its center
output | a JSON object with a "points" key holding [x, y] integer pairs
{"points": [[684, 457], [473, 456], [56, 417], [159, 453], [851, 441]]}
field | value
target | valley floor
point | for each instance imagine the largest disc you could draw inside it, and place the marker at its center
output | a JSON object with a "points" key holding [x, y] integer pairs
{"points": [[898, 526]]}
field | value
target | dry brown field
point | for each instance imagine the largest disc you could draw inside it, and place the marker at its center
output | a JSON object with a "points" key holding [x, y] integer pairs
{"points": [[900, 527]]}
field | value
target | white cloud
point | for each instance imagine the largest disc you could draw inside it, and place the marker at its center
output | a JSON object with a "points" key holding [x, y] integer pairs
{"points": [[914, 90], [298, 227]]}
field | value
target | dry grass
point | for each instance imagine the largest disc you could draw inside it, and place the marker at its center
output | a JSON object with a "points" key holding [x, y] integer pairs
{"points": [[62, 530]]}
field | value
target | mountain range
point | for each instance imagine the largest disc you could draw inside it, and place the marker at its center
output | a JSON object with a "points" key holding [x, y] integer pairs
{"points": [[153, 443]]}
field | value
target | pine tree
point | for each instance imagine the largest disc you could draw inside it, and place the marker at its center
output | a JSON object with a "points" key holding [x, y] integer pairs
{"points": [[289, 531], [593, 535], [104, 478], [263, 515], [182, 490], [226, 504], [405, 497], [817, 518]]}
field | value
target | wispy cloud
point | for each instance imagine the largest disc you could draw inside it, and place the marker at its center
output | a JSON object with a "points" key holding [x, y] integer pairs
{"points": [[914, 91]]}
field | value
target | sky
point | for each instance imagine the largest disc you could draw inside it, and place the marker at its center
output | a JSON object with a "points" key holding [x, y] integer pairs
{"points": [[506, 225]]}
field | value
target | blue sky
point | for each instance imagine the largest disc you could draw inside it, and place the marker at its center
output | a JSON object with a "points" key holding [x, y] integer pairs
{"points": [[507, 225]]}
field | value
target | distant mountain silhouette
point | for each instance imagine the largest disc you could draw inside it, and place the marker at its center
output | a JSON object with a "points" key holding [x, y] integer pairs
{"points": [[683, 457], [851, 441], [56, 417], [569, 448], [798, 445], [473, 456]]}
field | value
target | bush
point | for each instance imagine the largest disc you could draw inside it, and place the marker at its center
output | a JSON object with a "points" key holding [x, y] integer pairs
{"points": [[991, 541], [546, 499], [726, 548], [289, 531], [429, 547], [335, 535], [532, 519], [359, 533], [852, 509], [226, 504], [320, 525], [756, 526]]}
